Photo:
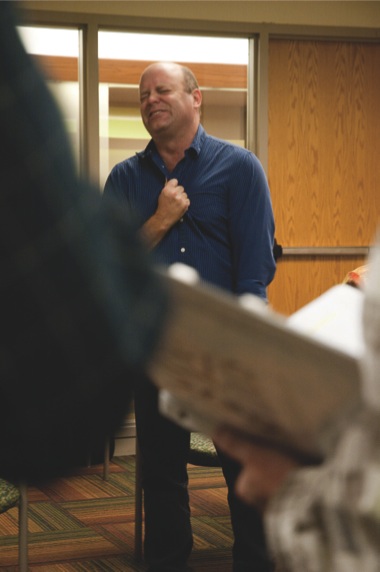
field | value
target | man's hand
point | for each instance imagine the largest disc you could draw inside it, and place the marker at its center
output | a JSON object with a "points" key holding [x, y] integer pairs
{"points": [[263, 469], [173, 203]]}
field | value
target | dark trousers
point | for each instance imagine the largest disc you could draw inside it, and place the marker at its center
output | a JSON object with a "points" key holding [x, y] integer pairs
{"points": [[164, 448]]}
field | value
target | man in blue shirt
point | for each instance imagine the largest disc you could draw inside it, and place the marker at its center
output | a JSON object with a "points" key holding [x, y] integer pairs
{"points": [[206, 203]]}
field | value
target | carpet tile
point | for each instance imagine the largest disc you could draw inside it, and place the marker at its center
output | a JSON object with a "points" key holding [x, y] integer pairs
{"points": [[81, 523]]}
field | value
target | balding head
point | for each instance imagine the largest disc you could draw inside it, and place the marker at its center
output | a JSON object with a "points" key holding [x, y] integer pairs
{"points": [[188, 78]]}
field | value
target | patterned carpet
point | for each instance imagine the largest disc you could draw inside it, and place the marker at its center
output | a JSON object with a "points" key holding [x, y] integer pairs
{"points": [[82, 523]]}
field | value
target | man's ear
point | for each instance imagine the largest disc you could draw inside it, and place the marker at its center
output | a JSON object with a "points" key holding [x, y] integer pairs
{"points": [[197, 96]]}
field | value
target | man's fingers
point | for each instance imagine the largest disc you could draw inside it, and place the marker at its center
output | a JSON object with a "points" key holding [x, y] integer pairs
{"points": [[234, 445], [171, 183], [172, 188]]}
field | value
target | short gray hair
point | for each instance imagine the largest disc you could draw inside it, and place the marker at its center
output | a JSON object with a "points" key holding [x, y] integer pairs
{"points": [[189, 80]]}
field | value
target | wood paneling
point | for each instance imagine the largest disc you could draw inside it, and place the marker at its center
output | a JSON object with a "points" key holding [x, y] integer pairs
{"points": [[301, 279], [324, 144], [208, 75], [58, 68], [129, 71], [324, 129]]}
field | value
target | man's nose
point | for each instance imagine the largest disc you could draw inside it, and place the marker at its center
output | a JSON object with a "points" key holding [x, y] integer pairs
{"points": [[153, 96]]}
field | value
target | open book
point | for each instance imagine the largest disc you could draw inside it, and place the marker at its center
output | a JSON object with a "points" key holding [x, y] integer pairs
{"points": [[224, 360]]}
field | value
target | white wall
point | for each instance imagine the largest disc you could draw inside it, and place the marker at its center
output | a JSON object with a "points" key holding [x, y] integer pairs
{"points": [[358, 14]]}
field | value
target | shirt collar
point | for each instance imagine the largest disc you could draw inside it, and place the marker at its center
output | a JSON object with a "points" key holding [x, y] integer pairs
{"points": [[195, 147]]}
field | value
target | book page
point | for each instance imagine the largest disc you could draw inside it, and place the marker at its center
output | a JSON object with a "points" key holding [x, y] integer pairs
{"points": [[226, 362], [334, 318]]}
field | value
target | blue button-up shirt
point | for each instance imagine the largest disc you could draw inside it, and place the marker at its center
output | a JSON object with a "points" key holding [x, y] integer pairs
{"points": [[228, 231]]}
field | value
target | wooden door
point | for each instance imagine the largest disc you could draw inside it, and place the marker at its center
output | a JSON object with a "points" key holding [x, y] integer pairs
{"points": [[324, 162]]}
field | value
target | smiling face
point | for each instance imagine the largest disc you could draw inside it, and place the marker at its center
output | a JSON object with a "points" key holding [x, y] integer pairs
{"points": [[168, 106]]}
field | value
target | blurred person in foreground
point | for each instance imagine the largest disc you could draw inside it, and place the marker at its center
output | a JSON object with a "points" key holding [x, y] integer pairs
{"points": [[325, 518], [80, 306]]}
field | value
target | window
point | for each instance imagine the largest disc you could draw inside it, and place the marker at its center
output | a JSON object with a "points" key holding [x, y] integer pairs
{"points": [[56, 51]]}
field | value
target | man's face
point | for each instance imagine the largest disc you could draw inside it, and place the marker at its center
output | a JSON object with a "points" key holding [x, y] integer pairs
{"points": [[166, 108]]}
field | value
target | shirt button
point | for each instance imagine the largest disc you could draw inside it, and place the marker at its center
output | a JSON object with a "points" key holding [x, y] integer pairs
{"points": [[181, 220], [183, 249]]}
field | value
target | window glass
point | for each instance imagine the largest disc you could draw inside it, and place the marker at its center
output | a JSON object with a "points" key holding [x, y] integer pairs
{"points": [[220, 65], [56, 51]]}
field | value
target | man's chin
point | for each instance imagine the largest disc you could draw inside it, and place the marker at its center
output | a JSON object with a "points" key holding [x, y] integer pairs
{"points": [[157, 129]]}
